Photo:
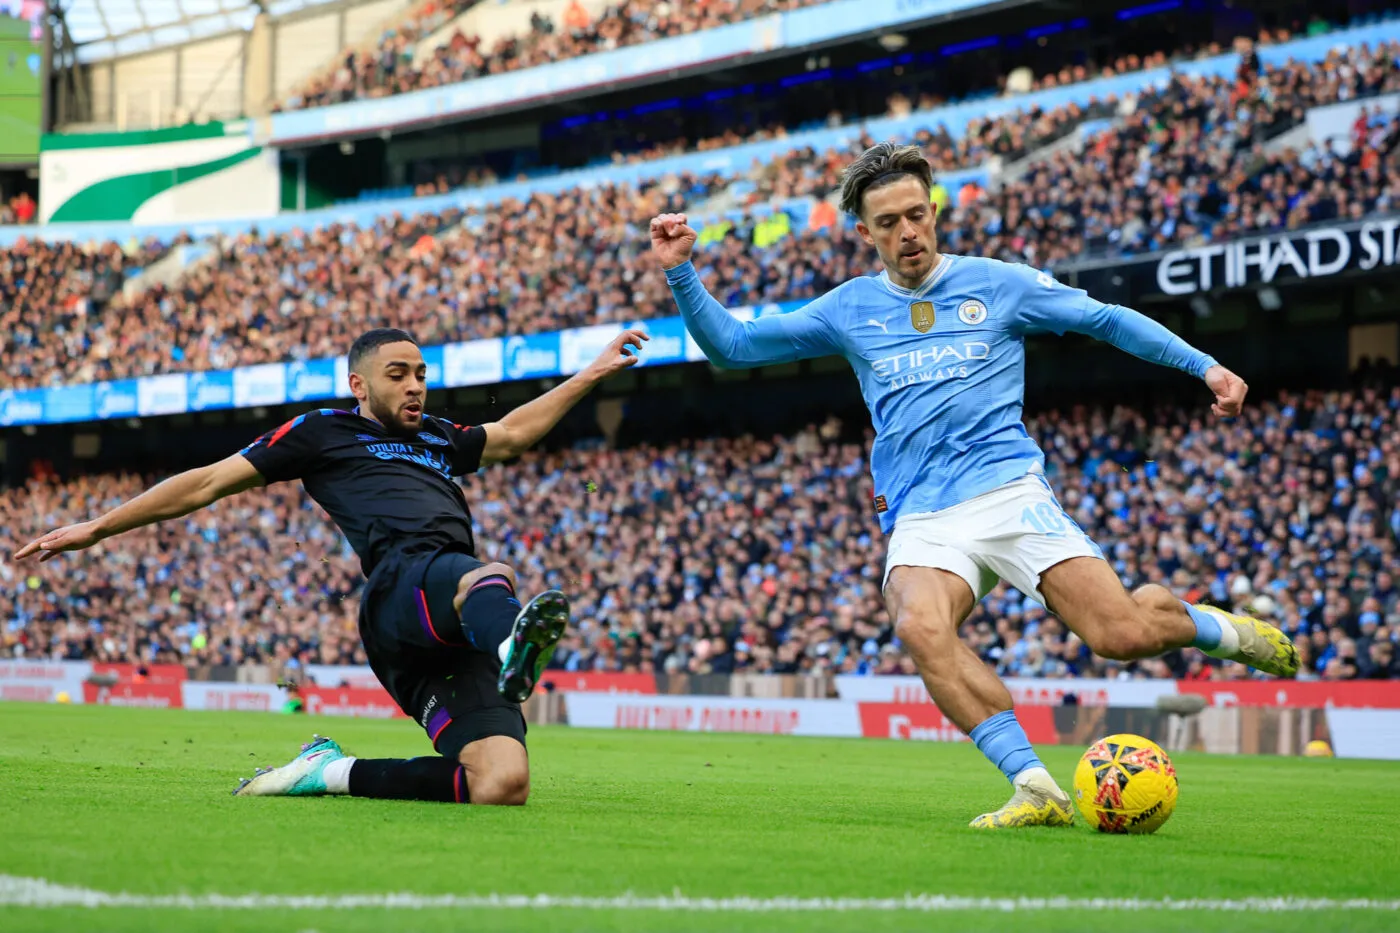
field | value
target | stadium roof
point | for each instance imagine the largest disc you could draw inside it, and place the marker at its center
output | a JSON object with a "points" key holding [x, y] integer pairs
{"points": [[105, 28]]}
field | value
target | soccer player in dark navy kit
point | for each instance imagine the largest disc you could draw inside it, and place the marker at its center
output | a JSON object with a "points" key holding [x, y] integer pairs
{"points": [[444, 632]]}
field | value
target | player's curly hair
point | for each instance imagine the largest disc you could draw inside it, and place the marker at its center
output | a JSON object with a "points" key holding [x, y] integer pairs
{"points": [[880, 165]]}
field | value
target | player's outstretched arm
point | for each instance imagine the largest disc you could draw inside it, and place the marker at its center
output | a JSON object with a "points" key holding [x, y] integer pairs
{"points": [[1136, 333], [523, 427], [179, 495], [1043, 304], [729, 343]]}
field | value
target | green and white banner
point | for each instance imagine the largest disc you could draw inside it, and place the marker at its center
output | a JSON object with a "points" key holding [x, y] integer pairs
{"points": [[183, 174]]}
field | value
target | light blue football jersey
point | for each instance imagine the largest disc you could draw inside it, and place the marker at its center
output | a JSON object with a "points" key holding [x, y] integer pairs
{"points": [[942, 367]]}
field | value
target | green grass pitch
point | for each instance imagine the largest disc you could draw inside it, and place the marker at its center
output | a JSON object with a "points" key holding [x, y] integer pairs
{"points": [[137, 801], [21, 93], [16, 78], [14, 28]]}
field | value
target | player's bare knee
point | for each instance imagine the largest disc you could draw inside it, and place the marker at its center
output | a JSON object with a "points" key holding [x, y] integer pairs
{"points": [[494, 569], [927, 606], [470, 579], [919, 627], [501, 788], [1152, 598], [1125, 640]]}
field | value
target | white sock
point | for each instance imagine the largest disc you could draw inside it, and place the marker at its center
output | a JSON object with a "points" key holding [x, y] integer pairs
{"points": [[1037, 776], [503, 649], [337, 776], [1229, 640]]}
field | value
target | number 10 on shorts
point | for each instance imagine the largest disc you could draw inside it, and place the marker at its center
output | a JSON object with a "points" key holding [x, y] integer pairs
{"points": [[1044, 518]]}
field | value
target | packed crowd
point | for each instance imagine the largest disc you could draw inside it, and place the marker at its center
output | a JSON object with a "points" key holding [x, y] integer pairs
{"points": [[348, 78], [390, 68], [762, 555], [1008, 136], [217, 586], [396, 64], [53, 297], [1187, 166]]}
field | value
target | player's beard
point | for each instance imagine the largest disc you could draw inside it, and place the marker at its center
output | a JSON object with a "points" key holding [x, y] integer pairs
{"points": [[389, 417], [909, 272], [916, 268]]}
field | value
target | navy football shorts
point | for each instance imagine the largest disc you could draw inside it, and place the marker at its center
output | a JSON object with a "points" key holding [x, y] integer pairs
{"points": [[420, 654]]}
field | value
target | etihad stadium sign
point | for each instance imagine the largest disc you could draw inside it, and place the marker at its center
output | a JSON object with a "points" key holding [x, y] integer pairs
{"points": [[1254, 262], [1310, 254]]}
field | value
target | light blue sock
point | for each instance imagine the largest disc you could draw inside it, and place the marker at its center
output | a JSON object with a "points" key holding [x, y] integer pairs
{"points": [[1208, 631], [1004, 742]]}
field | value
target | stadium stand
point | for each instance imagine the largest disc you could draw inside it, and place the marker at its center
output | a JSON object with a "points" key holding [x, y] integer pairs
{"points": [[392, 67], [1189, 164], [378, 70], [726, 554], [760, 554], [1009, 135], [48, 295]]}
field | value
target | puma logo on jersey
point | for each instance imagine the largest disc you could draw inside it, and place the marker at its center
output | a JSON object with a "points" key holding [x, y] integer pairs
{"points": [[883, 323]]}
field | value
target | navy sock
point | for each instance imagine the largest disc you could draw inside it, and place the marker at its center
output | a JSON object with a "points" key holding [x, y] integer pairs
{"points": [[409, 779], [1004, 742], [488, 612]]}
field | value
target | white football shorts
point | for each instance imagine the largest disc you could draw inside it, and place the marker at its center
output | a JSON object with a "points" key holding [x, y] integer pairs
{"points": [[1015, 533]]}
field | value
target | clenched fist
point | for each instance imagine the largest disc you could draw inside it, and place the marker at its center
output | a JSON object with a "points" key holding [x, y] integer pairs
{"points": [[1229, 391], [671, 239]]}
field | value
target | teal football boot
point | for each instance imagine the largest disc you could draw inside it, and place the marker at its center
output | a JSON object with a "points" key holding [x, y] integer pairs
{"points": [[303, 776], [536, 632]]}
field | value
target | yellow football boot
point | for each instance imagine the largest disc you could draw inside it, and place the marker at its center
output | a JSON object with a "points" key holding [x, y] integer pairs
{"points": [[1037, 802], [1256, 643]]}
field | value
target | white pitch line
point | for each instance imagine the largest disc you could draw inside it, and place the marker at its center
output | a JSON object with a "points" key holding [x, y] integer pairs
{"points": [[38, 893]]}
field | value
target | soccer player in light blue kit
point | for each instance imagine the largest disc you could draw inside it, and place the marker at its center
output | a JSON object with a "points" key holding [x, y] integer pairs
{"points": [[937, 343]]}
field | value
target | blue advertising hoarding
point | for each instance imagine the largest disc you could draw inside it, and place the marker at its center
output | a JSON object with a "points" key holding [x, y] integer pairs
{"points": [[476, 362], [211, 390], [116, 399], [18, 406], [310, 380], [69, 403], [531, 357]]}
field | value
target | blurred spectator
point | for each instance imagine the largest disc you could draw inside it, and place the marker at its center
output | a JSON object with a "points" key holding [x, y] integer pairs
{"points": [[22, 209], [1188, 165]]}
